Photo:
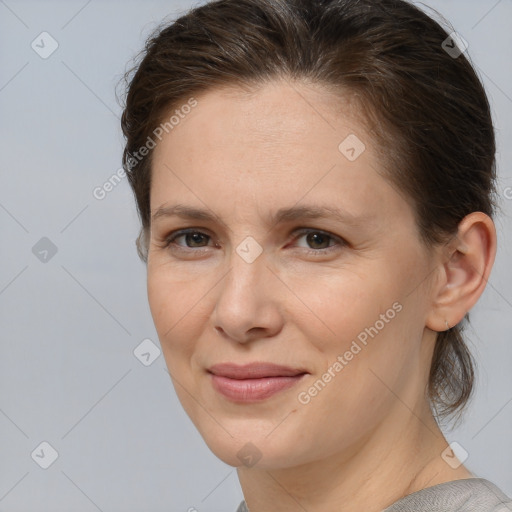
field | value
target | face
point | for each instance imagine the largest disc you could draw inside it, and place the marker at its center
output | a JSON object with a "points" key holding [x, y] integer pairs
{"points": [[304, 257]]}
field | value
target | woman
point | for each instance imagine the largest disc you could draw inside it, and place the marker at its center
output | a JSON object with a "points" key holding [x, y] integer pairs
{"points": [[315, 182]]}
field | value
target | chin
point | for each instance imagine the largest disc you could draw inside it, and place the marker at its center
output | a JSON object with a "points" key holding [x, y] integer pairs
{"points": [[257, 450]]}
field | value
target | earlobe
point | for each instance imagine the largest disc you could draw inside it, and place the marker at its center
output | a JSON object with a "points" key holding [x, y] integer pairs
{"points": [[470, 257]]}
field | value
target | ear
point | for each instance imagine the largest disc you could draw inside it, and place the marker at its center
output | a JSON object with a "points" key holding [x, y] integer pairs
{"points": [[468, 261]]}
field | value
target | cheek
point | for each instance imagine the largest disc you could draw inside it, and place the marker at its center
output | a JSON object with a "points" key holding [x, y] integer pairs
{"points": [[370, 321], [335, 307], [366, 326], [160, 302], [178, 314], [175, 306], [171, 296]]}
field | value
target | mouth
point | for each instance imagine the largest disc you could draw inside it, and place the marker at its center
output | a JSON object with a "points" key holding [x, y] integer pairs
{"points": [[253, 382]]}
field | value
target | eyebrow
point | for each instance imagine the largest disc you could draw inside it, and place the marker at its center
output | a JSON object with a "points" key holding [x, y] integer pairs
{"points": [[289, 214]]}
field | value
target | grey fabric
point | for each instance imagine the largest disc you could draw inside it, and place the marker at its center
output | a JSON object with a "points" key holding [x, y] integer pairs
{"points": [[468, 495], [242, 507]]}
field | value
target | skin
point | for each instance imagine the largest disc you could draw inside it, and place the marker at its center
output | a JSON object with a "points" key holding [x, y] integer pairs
{"points": [[369, 437]]}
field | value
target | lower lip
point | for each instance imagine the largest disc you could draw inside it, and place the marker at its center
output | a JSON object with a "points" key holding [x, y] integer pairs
{"points": [[252, 390]]}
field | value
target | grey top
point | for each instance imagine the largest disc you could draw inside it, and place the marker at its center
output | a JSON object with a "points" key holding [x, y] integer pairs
{"points": [[468, 495]]}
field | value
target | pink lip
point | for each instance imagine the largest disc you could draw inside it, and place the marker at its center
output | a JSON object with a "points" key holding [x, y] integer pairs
{"points": [[253, 382]]}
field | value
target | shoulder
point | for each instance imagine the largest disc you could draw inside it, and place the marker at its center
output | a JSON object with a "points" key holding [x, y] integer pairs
{"points": [[242, 507], [467, 495]]}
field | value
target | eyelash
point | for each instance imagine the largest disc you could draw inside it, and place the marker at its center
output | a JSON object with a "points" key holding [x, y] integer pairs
{"points": [[169, 240]]}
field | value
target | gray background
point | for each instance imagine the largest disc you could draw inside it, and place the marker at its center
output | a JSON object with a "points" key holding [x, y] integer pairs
{"points": [[69, 326]]}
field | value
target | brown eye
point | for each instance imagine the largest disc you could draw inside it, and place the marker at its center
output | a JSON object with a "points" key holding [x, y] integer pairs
{"points": [[318, 239], [193, 239], [319, 242]]}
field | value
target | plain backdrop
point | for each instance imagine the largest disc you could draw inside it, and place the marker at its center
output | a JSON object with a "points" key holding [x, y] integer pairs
{"points": [[73, 304]]}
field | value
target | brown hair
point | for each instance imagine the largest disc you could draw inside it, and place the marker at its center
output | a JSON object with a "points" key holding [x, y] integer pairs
{"points": [[426, 108]]}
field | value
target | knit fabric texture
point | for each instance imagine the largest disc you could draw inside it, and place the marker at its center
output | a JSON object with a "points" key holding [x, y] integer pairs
{"points": [[467, 495]]}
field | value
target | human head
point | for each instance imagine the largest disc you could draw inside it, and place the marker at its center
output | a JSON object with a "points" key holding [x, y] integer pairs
{"points": [[425, 112]]}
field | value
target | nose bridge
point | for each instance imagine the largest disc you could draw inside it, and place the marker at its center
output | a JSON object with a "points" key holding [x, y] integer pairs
{"points": [[247, 266]]}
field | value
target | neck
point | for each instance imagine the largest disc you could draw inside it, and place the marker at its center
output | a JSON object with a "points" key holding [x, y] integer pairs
{"points": [[387, 464]]}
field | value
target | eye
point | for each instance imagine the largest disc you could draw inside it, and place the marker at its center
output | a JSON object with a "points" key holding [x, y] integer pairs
{"points": [[191, 236], [319, 242]]}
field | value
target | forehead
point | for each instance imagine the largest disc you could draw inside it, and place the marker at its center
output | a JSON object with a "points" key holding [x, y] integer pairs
{"points": [[268, 147], [274, 112]]}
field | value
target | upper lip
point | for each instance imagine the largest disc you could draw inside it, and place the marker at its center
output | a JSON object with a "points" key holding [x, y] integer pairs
{"points": [[255, 370]]}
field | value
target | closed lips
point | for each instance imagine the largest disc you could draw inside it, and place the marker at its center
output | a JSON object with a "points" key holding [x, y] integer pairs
{"points": [[254, 382], [254, 371]]}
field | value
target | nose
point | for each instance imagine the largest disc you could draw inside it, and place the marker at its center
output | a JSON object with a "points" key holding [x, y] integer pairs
{"points": [[248, 303]]}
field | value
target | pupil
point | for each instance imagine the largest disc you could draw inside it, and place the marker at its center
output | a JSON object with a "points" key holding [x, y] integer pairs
{"points": [[196, 237], [312, 236]]}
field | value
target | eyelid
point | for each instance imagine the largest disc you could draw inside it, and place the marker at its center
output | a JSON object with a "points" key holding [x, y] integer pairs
{"points": [[340, 242], [297, 233], [181, 232], [305, 230]]}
